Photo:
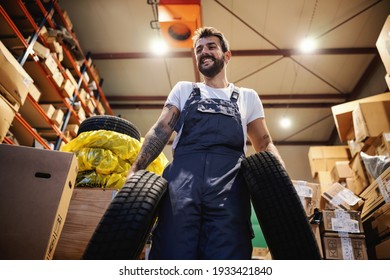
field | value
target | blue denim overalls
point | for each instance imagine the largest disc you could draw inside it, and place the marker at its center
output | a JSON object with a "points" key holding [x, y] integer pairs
{"points": [[206, 212]]}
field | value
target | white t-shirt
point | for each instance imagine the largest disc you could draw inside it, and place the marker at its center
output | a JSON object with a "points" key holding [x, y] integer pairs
{"points": [[249, 103]]}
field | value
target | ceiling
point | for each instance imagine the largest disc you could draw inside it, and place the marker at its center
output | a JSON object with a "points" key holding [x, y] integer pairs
{"points": [[264, 37]]}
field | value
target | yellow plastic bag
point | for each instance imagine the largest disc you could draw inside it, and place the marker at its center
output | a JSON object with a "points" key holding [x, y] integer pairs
{"points": [[105, 158], [102, 160], [93, 179], [120, 144]]}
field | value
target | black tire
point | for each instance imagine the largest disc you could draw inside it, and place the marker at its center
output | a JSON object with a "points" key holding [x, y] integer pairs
{"points": [[112, 123], [279, 210], [128, 220]]}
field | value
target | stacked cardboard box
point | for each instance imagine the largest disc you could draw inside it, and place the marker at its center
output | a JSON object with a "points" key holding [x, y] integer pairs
{"points": [[340, 197], [382, 45], [365, 125], [342, 235], [310, 194], [322, 160], [377, 228], [15, 84]]}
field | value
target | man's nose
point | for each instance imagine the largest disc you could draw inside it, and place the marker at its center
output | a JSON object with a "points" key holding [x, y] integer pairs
{"points": [[205, 50]]}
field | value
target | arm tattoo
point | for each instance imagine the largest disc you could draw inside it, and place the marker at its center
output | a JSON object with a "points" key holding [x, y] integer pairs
{"points": [[154, 143], [266, 141], [172, 122]]}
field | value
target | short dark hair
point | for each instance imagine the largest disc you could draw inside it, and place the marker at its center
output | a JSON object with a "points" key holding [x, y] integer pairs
{"points": [[204, 32]]}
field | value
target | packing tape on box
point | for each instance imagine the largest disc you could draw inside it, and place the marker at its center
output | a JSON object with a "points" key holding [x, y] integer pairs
{"points": [[346, 247], [346, 195]]}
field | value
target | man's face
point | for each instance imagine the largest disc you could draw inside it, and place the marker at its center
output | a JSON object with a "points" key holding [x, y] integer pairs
{"points": [[209, 56]]}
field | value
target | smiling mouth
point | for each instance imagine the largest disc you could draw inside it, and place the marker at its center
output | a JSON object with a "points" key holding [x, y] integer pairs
{"points": [[207, 60]]}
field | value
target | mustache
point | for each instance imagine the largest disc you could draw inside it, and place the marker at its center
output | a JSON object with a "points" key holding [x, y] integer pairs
{"points": [[206, 57]]}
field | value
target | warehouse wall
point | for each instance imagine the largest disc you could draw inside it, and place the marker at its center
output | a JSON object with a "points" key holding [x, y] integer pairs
{"points": [[296, 160]]}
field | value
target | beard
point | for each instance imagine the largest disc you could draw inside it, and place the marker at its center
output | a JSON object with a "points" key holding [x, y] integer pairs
{"points": [[213, 70]]}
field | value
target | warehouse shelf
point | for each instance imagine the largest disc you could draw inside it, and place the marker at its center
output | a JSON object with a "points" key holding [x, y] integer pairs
{"points": [[27, 19]]}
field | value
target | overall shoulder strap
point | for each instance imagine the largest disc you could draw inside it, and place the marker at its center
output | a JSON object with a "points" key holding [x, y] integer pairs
{"points": [[235, 94]]}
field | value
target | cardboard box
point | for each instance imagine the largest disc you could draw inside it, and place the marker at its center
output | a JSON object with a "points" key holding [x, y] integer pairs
{"points": [[58, 117], [86, 208], [41, 50], [12, 76], [323, 158], [341, 197], [341, 171], [68, 88], [381, 221], [359, 175], [344, 248], [6, 117], [84, 96], [11, 100], [67, 19], [46, 85], [342, 115], [49, 109], [259, 253], [383, 43], [354, 147], [316, 230], [376, 194], [310, 194], [325, 180], [91, 105], [34, 92], [341, 221], [382, 250], [101, 108], [383, 145], [51, 64], [371, 119], [71, 77], [72, 129], [58, 78], [35, 194]]}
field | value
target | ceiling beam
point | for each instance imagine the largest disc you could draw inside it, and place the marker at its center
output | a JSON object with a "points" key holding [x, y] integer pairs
{"points": [[295, 96], [154, 106], [259, 52]]}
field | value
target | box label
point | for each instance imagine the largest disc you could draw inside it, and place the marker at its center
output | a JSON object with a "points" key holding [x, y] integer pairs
{"points": [[303, 190], [345, 225], [384, 189]]}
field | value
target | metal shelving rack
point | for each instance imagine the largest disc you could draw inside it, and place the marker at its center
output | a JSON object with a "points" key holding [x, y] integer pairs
{"points": [[47, 12]]}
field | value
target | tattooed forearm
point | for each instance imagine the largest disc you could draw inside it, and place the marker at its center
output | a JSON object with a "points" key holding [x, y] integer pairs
{"points": [[156, 139], [154, 143], [266, 141], [172, 122]]}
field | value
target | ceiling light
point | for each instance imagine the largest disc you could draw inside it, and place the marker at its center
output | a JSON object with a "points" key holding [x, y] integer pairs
{"points": [[159, 46], [308, 45], [285, 122]]}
